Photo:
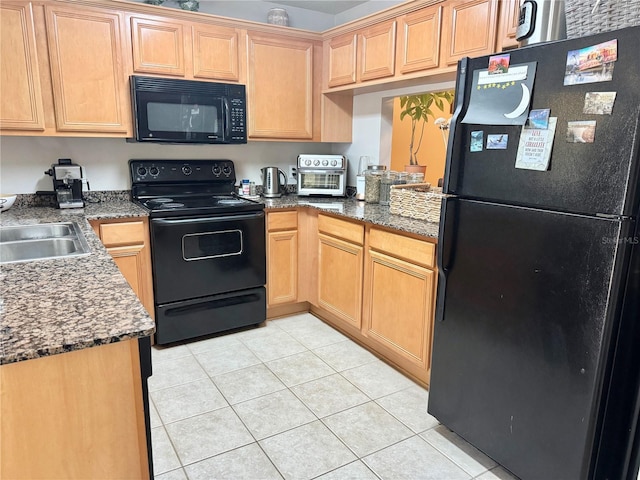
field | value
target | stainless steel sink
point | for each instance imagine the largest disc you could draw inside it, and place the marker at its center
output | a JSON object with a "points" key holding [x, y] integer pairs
{"points": [[25, 243]]}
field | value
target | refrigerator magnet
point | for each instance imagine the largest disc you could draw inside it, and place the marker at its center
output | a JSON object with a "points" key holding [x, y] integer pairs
{"points": [[581, 131], [591, 64], [599, 103], [497, 141], [534, 147], [477, 139], [538, 119], [499, 64]]}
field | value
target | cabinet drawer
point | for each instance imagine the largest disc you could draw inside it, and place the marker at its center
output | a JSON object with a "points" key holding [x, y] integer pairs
{"points": [[353, 232], [282, 221], [125, 233], [415, 251]]}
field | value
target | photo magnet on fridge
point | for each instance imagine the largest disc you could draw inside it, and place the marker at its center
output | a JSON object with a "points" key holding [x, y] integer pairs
{"points": [[599, 103], [591, 64], [538, 118], [581, 131], [477, 139], [497, 141]]}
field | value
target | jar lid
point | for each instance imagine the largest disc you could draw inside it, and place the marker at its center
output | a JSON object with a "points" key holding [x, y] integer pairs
{"points": [[377, 167]]}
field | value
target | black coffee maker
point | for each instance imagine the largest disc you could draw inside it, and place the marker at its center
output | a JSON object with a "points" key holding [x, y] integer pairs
{"points": [[67, 183]]}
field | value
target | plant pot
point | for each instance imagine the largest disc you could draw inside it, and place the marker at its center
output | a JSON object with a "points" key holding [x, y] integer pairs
{"points": [[415, 169]]}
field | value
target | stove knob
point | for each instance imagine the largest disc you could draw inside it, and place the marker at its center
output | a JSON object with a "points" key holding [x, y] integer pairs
{"points": [[154, 171], [307, 163], [226, 170], [142, 171], [334, 163], [316, 162], [325, 163], [216, 170], [187, 170]]}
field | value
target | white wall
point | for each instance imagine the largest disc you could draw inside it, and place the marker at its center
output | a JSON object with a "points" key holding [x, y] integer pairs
{"points": [[23, 160], [372, 120]]}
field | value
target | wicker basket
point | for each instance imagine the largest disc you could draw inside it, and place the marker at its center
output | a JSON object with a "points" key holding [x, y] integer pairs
{"points": [[416, 200], [583, 19]]}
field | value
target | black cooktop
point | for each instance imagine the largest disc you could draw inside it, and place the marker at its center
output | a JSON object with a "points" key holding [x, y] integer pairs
{"points": [[187, 187]]}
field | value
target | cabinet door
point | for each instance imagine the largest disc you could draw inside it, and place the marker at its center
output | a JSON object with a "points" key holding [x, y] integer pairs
{"points": [[280, 87], [399, 306], [89, 87], [377, 50], [419, 40], [215, 53], [128, 243], [20, 95], [340, 266], [158, 46], [508, 24], [282, 267], [469, 29], [342, 60]]}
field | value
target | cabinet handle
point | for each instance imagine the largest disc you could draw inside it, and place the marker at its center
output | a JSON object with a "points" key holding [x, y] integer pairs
{"points": [[445, 248]]}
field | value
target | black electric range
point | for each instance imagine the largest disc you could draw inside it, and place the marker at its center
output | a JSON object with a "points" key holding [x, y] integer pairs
{"points": [[208, 252]]}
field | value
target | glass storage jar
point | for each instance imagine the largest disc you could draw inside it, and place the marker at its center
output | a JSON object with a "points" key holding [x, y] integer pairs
{"points": [[372, 186], [388, 179], [415, 178]]}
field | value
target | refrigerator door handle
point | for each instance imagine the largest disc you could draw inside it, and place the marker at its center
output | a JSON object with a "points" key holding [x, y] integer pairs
{"points": [[444, 257], [451, 172]]}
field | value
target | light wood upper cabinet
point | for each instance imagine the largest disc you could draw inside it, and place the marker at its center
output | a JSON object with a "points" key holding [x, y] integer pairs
{"points": [[280, 87], [215, 53], [507, 25], [469, 29], [341, 60], [20, 90], [158, 46], [419, 40], [89, 86], [376, 52]]}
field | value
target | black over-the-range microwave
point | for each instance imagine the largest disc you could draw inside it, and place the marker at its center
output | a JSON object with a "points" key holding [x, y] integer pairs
{"points": [[185, 111]]}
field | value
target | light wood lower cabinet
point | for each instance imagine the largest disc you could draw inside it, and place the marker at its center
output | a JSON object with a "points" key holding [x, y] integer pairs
{"points": [[282, 258], [398, 299], [127, 240], [74, 415], [378, 287], [340, 262]]}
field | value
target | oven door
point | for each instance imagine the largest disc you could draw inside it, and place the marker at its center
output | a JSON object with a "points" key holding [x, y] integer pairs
{"points": [[322, 182], [198, 257]]}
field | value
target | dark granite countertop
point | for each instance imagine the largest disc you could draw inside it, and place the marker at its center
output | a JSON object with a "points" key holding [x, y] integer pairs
{"points": [[54, 306], [358, 210]]}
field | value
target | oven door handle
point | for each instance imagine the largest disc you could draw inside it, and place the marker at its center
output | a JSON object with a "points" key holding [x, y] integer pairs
{"points": [[184, 221], [330, 172]]}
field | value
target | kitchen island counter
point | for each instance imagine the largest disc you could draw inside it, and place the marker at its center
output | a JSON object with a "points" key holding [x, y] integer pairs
{"points": [[60, 305]]}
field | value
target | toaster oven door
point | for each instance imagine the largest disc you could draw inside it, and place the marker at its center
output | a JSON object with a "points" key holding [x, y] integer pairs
{"points": [[322, 182]]}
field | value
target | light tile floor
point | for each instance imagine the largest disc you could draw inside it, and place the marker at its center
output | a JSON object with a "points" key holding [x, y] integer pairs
{"points": [[295, 399]]}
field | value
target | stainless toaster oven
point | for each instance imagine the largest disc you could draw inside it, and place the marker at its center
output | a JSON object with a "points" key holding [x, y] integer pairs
{"points": [[322, 175]]}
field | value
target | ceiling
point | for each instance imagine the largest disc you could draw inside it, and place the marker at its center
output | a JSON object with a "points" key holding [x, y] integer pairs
{"points": [[332, 7]]}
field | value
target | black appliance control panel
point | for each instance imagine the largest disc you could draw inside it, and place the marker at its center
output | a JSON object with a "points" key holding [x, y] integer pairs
{"points": [[179, 171]]}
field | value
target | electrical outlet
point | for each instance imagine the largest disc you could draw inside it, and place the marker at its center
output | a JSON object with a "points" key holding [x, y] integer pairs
{"points": [[292, 175]]}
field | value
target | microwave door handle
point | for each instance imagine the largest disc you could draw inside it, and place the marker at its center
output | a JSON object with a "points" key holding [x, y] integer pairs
{"points": [[226, 119]]}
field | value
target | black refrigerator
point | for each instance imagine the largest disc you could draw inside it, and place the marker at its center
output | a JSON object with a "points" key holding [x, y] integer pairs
{"points": [[536, 349]]}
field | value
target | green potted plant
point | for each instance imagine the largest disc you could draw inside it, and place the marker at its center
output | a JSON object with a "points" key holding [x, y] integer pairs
{"points": [[418, 109]]}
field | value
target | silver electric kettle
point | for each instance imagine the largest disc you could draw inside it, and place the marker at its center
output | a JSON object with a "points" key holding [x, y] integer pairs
{"points": [[271, 186]]}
